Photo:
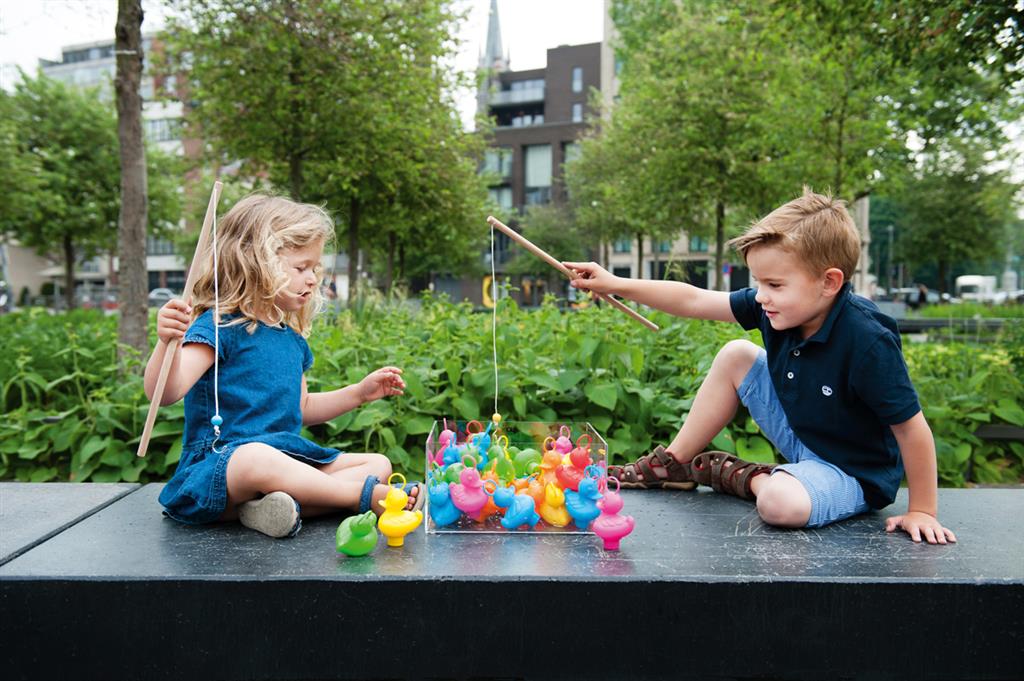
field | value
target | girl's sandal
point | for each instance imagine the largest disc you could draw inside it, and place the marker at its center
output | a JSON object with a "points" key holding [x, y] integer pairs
{"points": [[678, 474], [727, 473]]}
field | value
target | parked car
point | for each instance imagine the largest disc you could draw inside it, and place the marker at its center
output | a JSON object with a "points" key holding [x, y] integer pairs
{"points": [[159, 296]]}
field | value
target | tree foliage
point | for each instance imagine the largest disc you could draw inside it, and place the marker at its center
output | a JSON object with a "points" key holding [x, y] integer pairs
{"points": [[62, 195], [348, 103]]}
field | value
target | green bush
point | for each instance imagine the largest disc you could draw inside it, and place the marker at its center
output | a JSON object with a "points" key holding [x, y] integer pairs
{"points": [[71, 414]]}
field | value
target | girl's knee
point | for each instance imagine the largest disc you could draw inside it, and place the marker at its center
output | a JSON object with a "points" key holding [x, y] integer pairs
{"points": [[380, 466], [784, 502], [253, 463]]}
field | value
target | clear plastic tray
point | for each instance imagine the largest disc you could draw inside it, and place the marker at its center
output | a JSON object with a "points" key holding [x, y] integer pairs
{"points": [[521, 434]]}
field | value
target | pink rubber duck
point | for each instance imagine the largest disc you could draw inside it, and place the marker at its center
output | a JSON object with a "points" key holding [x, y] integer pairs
{"points": [[563, 444], [444, 440], [610, 526], [468, 494]]}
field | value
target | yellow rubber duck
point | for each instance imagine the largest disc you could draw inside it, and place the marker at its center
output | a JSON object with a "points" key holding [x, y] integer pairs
{"points": [[395, 522], [553, 510]]}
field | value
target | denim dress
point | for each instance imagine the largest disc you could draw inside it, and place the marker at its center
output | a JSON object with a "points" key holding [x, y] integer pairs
{"points": [[260, 388]]}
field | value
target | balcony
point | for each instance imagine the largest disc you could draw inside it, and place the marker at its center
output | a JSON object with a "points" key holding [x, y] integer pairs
{"points": [[524, 96]]}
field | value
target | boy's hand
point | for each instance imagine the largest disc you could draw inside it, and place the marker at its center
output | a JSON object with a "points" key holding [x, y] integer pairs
{"points": [[173, 319], [918, 524], [592, 277], [381, 383]]}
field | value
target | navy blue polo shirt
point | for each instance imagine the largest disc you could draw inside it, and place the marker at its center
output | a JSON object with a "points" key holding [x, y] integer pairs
{"points": [[842, 388]]}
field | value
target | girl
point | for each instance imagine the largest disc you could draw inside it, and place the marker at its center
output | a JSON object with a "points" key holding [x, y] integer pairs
{"points": [[243, 456]]}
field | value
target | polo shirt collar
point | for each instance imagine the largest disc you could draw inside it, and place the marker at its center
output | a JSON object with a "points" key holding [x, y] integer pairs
{"points": [[822, 334]]}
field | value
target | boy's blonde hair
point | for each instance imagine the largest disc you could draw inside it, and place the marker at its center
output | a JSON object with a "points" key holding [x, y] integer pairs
{"points": [[251, 273], [815, 227]]}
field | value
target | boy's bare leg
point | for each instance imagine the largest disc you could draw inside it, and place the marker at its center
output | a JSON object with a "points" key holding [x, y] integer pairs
{"points": [[716, 401], [256, 469], [781, 499]]}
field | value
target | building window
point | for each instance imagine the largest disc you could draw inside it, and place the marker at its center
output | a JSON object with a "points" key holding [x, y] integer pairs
{"points": [[498, 161], [626, 272], [501, 197], [524, 120], [577, 79], [698, 244], [622, 246], [664, 246], [537, 159], [155, 246], [571, 151], [162, 129], [577, 113]]}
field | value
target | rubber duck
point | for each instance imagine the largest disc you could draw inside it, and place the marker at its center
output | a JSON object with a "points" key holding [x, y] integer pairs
{"points": [[395, 522], [552, 459], [610, 526], [553, 509], [582, 505], [519, 508], [501, 464], [442, 510], [446, 441], [357, 534], [490, 508], [569, 475], [535, 490], [563, 444], [468, 494], [523, 460], [453, 471]]}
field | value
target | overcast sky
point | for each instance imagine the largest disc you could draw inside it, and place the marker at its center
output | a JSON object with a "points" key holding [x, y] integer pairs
{"points": [[34, 29]]}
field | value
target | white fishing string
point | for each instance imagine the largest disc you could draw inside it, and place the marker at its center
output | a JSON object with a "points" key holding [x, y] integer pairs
{"points": [[494, 321]]}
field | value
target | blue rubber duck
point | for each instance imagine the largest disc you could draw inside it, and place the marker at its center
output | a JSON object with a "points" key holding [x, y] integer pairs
{"points": [[521, 509], [582, 505], [442, 510]]}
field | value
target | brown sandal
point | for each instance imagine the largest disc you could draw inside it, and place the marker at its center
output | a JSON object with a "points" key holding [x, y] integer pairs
{"points": [[678, 474], [726, 472]]}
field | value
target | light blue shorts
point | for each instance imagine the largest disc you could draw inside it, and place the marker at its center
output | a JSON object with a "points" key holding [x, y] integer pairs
{"points": [[834, 494]]}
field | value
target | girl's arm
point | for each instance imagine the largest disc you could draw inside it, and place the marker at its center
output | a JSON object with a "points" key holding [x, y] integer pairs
{"points": [[674, 297], [917, 447], [321, 407], [190, 361]]}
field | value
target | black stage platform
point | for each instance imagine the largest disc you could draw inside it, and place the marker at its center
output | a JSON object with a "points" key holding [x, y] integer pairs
{"points": [[701, 589]]}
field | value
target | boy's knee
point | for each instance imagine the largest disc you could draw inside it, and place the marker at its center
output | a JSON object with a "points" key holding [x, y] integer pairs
{"points": [[784, 502], [737, 356]]}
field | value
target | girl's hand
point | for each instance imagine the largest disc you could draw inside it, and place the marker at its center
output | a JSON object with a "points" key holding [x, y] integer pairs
{"points": [[381, 383], [592, 277], [918, 525], [173, 319]]}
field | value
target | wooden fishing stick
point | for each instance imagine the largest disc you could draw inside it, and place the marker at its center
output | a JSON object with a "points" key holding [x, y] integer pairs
{"points": [[172, 347], [540, 253]]}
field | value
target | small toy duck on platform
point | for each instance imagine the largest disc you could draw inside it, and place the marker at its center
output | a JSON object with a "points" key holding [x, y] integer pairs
{"points": [[442, 510], [357, 534], [582, 505], [610, 526], [548, 466], [519, 508], [396, 522], [553, 509]]}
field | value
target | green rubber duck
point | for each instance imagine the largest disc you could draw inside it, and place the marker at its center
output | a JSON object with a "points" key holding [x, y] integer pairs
{"points": [[357, 535]]}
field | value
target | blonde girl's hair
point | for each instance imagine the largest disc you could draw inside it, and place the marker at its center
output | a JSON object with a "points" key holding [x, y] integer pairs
{"points": [[815, 227], [251, 272]]}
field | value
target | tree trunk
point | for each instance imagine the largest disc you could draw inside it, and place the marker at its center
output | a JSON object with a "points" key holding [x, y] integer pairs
{"points": [[353, 248], [132, 277], [295, 177], [401, 261], [719, 244], [639, 256], [390, 272], [943, 267], [69, 273]]}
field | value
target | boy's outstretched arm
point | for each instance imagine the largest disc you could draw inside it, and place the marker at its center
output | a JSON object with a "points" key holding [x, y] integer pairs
{"points": [[917, 447], [674, 297]]}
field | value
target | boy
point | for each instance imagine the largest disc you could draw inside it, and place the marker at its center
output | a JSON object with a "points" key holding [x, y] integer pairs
{"points": [[830, 389]]}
